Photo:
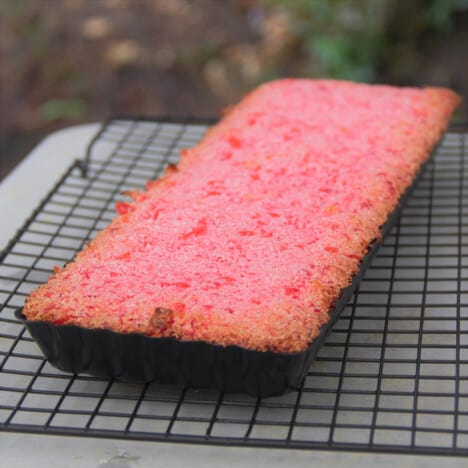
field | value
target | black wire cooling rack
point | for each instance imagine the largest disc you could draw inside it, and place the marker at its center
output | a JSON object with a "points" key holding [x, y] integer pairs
{"points": [[392, 376]]}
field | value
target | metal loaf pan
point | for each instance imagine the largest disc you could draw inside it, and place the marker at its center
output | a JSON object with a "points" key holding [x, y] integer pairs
{"points": [[139, 358]]}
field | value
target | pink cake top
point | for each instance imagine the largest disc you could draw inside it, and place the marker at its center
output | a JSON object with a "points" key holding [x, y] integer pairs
{"points": [[252, 238]]}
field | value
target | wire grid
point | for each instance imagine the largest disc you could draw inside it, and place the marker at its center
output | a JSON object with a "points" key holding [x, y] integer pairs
{"points": [[392, 376]]}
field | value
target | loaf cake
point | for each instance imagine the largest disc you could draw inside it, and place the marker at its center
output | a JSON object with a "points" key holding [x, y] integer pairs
{"points": [[251, 238]]}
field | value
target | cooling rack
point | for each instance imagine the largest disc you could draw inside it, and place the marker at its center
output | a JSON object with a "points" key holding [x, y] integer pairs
{"points": [[392, 376]]}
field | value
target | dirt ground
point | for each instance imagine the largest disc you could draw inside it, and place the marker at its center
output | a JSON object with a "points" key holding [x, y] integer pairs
{"points": [[72, 61]]}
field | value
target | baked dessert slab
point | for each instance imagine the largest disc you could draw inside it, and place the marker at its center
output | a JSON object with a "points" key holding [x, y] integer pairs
{"points": [[252, 239], [133, 357]]}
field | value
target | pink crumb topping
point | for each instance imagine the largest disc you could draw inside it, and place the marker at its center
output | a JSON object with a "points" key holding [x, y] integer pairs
{"points": [[252, 238]]}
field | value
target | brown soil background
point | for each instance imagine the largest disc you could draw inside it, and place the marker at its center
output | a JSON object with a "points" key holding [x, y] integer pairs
{"points": [[73, 61]]}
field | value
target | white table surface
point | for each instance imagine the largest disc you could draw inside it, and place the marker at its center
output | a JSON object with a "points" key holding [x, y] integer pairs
{"points": [[20, 193]]}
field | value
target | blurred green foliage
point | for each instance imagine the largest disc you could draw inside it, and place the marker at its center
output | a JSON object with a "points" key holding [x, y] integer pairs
{"points": [[354, 39], [439, 13], [56, 109]]}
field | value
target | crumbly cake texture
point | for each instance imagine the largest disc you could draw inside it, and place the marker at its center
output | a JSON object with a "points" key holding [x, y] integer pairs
{"points": [[251, 239]]}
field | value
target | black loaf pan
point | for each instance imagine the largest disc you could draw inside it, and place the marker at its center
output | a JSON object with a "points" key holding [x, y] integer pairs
{"points": [[138, 358]]}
